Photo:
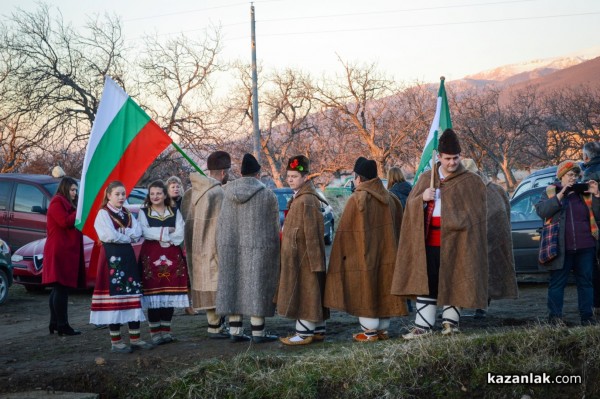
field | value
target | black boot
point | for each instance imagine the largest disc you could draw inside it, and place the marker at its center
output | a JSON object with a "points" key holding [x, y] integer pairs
{"points": [[67, 330]]}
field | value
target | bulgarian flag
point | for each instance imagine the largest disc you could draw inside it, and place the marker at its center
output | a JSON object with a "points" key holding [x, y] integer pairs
{"points": [[123, 143], [441, 122]]}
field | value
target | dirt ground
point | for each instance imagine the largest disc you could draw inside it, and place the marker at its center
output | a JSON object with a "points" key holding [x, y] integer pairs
{"points": [[32, 359]]}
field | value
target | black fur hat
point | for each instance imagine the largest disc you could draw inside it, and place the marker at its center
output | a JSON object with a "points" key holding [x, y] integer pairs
{"points": [[366, 168], [250, 165], [448, 143]]}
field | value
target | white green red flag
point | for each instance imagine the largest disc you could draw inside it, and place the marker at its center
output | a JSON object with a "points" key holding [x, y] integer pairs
{"points": [[123, 143], [441, 122]]}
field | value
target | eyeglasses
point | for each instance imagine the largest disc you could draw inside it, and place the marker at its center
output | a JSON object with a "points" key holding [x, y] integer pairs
{"points": [[572, 174]]}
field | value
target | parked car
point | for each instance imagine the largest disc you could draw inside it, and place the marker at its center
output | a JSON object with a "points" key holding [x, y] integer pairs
{"points": [[285, 194], [526, 226], [24, 202], [347, 188], [28, 263], [6, 275], [539, 178]]}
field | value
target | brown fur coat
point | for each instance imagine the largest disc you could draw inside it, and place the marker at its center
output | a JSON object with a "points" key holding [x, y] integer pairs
{"points": [[302, 275], [200, 208], [362, 258], [463, 278], [502, 281]]}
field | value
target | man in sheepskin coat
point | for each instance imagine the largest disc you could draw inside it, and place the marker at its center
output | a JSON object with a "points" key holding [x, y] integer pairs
{"points": [[442, 256], [248, 242], [363, 254], [200, 208], [302, 278], [502, 279]]}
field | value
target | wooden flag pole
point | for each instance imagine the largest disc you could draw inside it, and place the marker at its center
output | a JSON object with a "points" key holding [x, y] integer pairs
{"points": [[433, 153]]}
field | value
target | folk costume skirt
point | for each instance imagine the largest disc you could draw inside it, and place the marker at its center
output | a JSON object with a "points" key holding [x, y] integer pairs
{"points": [[164, 276], [117, 297]]}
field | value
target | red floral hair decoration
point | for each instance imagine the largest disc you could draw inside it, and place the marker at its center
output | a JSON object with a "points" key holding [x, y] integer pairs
{"points": [[294, 165]]}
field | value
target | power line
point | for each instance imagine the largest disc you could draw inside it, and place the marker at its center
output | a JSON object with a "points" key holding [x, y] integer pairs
{"points": [[422, 25], [392, 11]]}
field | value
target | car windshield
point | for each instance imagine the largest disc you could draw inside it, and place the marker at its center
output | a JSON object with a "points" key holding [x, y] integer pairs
{"points": [[51, 187], [137, 196]]}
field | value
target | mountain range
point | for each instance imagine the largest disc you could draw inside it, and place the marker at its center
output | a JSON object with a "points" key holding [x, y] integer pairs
{"points": [[547, 74]]}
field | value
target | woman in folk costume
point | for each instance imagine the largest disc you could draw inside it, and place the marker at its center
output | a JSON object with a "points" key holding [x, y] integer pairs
{"points": [[363, 256], [302, 275], [118, 292], [577, 215], [164, 270]]}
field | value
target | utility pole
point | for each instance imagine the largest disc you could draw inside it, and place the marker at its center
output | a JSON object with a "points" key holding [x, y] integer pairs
{"points": [[254, 86]]}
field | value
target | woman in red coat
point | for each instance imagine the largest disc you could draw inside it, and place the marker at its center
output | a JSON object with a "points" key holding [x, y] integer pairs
{"points": [[64, 266]]}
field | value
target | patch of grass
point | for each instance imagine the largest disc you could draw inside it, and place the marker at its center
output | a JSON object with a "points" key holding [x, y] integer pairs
{"points": [[452, 367]]}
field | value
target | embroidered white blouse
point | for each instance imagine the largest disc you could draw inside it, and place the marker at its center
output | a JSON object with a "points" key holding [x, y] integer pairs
{"points": [[107, 232], [162, 234]]}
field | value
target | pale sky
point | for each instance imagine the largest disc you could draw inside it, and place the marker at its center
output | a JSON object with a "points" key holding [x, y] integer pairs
{"points": [[409, 40]]}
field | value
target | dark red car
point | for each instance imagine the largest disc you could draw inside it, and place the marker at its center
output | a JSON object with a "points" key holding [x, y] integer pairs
{"points": [[28, 262]]}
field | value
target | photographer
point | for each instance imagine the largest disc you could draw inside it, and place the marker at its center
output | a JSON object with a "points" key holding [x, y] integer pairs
{"points": [[576, 208]]}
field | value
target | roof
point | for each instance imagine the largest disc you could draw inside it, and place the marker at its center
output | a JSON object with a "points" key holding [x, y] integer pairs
{"points": [[40, 179]]}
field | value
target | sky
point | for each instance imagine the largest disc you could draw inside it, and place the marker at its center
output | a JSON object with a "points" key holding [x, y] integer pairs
{"points": [[408, 40]]}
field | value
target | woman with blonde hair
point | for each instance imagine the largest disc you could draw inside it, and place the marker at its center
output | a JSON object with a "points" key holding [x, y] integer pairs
{"points": [[398, 185]]}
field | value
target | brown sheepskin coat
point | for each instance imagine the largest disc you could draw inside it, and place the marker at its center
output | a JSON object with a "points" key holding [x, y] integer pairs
{"points": [[362, 258], [200, 208], [502, 281], [302, 274], [463, 278]]}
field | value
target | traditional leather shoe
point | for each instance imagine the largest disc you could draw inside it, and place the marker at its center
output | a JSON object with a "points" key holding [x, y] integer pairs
{"points": [[417, 333], [52, 328], [261, 339], [120, 348], [141, 344], [319, 337], [382, 335], [67, 331], [300, 340], [158, 340], [239, 338], [363, 337], [449, 329], [167, 338], [224, 334]]}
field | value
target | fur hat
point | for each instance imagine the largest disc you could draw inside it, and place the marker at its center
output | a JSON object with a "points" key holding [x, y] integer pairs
{"points": [[566, 166], [448, 143], [250, 165], [218, 160], [469, 165], [299, 163], [366, 168]]}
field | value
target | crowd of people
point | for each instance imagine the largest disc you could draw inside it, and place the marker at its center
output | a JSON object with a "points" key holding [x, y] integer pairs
{"points": [[219, 247]]}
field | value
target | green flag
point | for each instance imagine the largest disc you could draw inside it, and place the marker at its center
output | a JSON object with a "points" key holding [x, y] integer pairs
{"points": [[441, 122]]}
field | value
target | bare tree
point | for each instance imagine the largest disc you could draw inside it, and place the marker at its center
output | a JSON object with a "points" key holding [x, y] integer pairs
{"points": [[497, 131], [363, 97], [177, 81], [52, 77]]}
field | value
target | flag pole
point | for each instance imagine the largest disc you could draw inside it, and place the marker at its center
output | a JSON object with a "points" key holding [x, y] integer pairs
{"points": [[432, 168], [188, 158]]}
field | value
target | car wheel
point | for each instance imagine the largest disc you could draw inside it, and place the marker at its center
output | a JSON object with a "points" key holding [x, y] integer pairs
{"points": [[3, 286], [329, 235]]}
